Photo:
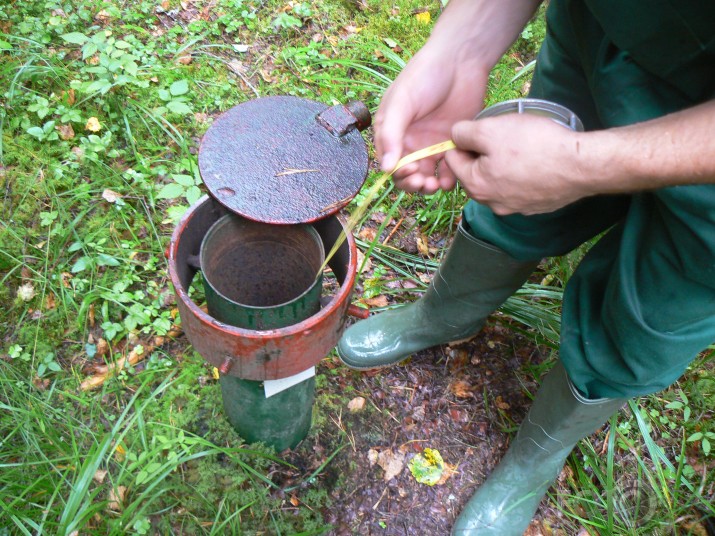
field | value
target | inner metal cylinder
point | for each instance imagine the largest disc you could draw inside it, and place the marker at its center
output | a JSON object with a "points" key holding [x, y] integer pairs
{"points": [[556, 112], [260, 276]]}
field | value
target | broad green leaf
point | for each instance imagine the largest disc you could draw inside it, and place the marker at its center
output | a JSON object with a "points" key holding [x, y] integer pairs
{"points": [[171, 191], [180, 87], [184, 180], [179, 107], [697, 436], [4, 45], [76, 38], [130, 67], [107, 260], [89, 50], [99, 85], [36, 132], [82, 264], [174, 213], [193, 194]]}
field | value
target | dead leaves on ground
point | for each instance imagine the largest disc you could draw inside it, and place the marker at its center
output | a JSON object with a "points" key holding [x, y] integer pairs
{"points": [[356, 404], [391, 461], [103, 372]]}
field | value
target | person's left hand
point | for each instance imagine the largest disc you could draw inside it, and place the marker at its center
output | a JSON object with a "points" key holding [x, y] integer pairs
{"points": [[518, 163]]}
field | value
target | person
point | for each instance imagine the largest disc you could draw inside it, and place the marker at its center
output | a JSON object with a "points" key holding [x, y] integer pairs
{"points": [[641, 304]]}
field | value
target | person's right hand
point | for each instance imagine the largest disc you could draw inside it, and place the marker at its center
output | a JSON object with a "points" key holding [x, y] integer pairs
{"points": [[432, 93]]}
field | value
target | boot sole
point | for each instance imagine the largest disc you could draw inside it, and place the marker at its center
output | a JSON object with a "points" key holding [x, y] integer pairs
{"points": [[371, 367], [393, 363]]}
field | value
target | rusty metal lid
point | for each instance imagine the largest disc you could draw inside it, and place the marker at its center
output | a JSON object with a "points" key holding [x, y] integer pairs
{"points": [[285, 160]]}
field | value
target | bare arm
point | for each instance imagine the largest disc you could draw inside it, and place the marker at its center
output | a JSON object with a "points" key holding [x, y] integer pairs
{"points": [[530, 165], [673, 150], [445, 82]]}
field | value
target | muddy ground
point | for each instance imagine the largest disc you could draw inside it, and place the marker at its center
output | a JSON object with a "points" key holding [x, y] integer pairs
{"points": [[462, 400]]}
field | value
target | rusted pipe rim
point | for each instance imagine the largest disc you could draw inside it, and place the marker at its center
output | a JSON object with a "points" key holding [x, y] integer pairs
{"points": [[338, 300]]}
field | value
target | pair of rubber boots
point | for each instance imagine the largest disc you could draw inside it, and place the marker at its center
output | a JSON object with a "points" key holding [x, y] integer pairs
{"points": [[473, 280]]}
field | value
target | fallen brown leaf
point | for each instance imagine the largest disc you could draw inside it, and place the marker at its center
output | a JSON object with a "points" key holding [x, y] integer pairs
{"points": [[695, 528], [50, 301], [137, 354], [93, 125], [102, 347], [392, 462], [461, 389], [66, 132], [367, 234], [422, 245], [116, 498], [40, 383], [66, 277], [110, 196], [356, 404], [377, 301], [447, 473], [102, 17], [501, 404]]}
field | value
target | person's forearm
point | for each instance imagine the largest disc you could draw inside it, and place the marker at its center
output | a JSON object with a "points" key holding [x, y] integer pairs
{"points": [[480, 31], [677, 149]]}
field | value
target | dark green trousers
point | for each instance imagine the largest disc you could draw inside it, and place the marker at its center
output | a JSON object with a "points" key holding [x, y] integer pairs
{"points": [[641, 305]]}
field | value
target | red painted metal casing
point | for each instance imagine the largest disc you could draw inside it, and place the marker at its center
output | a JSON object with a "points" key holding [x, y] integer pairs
{"points": [[258, 355]]}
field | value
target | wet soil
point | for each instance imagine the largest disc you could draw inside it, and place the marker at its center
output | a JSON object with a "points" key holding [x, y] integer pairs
{"points": [[464, 400]]}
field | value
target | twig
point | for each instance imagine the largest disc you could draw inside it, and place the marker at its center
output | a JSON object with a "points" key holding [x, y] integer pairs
{"points": [[291, 171], [380, 499], [394, 230]]}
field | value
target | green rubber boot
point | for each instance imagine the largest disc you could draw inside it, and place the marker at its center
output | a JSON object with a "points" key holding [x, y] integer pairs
{"points": [[473, 280], [560, 416]]}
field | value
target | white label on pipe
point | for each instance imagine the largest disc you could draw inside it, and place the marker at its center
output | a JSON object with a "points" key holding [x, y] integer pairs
{"points": [[273, 387]]}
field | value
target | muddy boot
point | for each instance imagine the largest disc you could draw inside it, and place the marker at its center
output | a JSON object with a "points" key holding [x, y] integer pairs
{"points": [[559, 417], [473, 280]]}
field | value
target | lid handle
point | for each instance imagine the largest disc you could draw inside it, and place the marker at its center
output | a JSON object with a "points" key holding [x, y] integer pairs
{"points": [[343, 118]]}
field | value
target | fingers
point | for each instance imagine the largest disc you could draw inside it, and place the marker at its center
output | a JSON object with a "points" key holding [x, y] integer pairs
{"points": [[460, 163], [425, 177], [391, 122]]}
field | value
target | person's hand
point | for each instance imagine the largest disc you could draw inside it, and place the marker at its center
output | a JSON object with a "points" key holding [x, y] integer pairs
{"points": [[419, 109], [518, 163]]}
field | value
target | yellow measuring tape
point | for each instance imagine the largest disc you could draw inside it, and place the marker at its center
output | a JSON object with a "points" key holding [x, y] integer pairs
{"points": [[361, 209]]}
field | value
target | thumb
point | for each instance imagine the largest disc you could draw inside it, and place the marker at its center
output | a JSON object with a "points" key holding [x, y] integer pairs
{"points": [[467, 136]]}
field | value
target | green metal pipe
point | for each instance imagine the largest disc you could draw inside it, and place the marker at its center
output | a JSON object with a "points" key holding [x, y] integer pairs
{"points": [[260, 276]]}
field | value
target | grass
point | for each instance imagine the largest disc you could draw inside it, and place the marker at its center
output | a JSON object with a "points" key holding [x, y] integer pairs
{"points": [[102, 108]]}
